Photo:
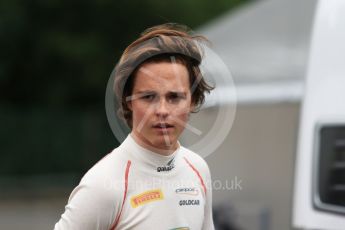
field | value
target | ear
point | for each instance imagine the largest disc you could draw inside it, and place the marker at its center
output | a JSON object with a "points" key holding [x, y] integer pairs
{"points": [[192, 107], [129, 105]]}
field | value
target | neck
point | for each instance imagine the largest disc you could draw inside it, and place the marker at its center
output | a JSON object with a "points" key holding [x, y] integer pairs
{"points": [[165, 151]]}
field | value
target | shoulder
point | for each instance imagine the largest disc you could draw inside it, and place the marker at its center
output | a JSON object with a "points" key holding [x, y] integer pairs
{"points": [[195, 160], [96, 201], [106, 177], [111, 165]]}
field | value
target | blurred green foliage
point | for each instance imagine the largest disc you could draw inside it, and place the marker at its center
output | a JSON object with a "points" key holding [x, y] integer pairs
{"points": [[55, 61]]}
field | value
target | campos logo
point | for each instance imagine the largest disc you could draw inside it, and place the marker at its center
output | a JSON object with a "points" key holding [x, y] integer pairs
{"points": [[146, 197], [170, 165], [187, 191]]}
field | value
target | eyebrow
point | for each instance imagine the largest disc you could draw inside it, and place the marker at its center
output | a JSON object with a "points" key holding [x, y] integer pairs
{"points": [[144, 92], [139, 94], [178, 93]]}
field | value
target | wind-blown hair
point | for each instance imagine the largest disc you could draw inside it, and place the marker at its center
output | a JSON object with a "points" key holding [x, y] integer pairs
{"points": [[163, 43]]}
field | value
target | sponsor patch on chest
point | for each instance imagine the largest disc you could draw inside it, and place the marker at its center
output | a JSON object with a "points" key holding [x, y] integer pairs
{"points": [[189, 202], [146, 197], [187, 191], [170, 165]]}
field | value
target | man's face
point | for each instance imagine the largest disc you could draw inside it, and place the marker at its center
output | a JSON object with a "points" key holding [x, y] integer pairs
{"points": [[160, 103]]}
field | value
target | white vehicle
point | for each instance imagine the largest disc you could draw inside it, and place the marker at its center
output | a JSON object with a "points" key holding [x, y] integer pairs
{"points": [[319, 193]]}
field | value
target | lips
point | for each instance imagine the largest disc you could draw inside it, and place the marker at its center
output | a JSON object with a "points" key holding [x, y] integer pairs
{"points": [[163, 126]]}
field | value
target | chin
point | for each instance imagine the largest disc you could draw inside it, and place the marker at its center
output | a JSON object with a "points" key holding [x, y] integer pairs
{"points": [[160, 142]]}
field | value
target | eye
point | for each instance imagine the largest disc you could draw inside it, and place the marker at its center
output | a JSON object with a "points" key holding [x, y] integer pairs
{"points": [[148, 97], [175, 97]]}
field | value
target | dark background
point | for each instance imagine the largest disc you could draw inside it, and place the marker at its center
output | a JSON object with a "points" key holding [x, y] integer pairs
{"points": [[55, 61]]}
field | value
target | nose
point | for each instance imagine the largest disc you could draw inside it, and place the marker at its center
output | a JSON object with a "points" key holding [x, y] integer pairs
{"points": [[162, 109]]}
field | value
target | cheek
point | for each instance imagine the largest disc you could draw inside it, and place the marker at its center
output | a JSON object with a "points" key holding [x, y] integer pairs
{"points": [[184, 108], [182, 116], [140, 112]]}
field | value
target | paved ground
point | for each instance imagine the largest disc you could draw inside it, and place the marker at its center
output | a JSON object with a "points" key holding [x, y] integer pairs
{"points": [[31, 212]]}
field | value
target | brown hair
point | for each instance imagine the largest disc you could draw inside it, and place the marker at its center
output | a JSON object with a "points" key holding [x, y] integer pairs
{"points": [[156, 44]]}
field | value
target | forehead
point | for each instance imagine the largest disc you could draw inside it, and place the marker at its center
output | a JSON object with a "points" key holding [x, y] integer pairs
{"points": [[161, 76]]}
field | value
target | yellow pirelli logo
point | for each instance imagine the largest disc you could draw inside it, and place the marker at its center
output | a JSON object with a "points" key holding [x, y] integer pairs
{"points": [[146, 197]]}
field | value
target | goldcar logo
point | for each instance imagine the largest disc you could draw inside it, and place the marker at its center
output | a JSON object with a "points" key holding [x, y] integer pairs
{"points": [[189, 202], [146, 197]]}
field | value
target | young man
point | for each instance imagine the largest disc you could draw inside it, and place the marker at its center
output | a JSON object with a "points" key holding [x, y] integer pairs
{"points": [[150, 181]]}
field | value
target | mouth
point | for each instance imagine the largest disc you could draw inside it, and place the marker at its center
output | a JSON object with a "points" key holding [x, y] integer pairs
{"points": [[161, 126]]}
